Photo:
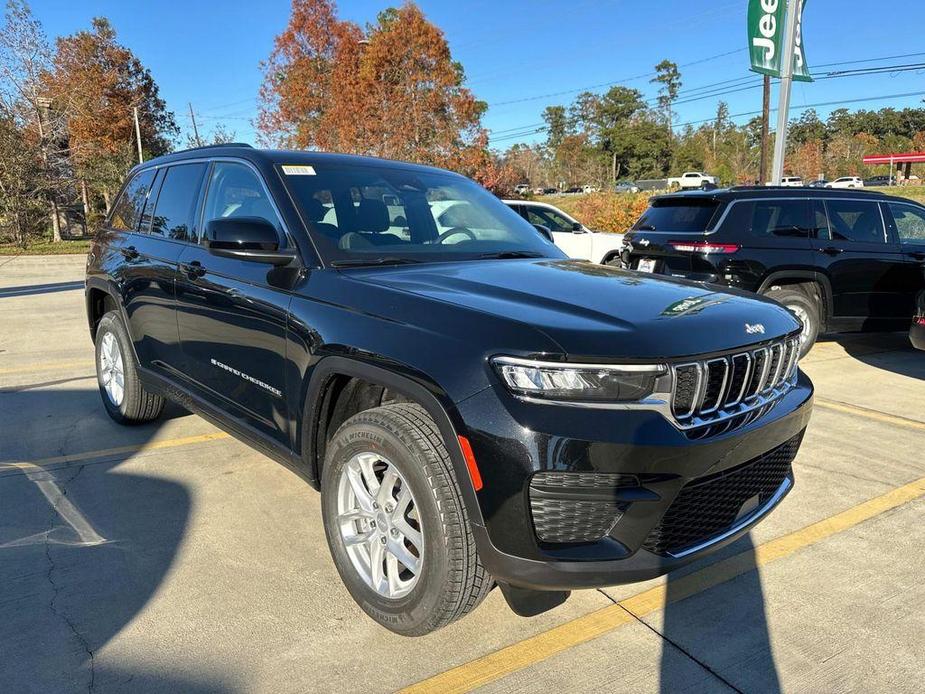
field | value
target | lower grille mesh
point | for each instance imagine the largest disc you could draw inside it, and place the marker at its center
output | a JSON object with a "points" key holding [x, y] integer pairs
{"points": [[707, 506], [576, 506]]}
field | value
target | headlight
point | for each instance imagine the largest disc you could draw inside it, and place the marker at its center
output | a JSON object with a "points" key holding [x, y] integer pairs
{"points": [[582, 382]]}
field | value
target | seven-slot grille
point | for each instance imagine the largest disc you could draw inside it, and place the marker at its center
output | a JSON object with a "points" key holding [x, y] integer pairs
{"points": [[712, 389]]}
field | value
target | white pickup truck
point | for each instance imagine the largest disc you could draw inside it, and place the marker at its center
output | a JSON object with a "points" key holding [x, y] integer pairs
{"points": [[692, 179]]}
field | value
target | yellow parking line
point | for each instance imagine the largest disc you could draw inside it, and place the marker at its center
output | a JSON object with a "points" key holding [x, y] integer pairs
{"points": [[48, 366], [108, 452], [870, 414], [525, 653]]}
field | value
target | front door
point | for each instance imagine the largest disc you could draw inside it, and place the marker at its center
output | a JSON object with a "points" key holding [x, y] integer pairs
{"points": [[232, 314], [576, 243], [861, 261]]}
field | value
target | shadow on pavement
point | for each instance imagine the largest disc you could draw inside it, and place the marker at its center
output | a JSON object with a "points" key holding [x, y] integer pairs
{"points": [[83, 546], [725, 629], [887, 351], [33, 289]]}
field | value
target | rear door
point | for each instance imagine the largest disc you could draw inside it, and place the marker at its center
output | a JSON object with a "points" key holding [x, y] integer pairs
{"points": [[774, 236], [907, 225], [151, 248], [232, 315], [863, 263]]}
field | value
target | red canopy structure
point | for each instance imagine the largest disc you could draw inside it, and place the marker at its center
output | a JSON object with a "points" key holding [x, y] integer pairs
{"points": [[900, 158]]}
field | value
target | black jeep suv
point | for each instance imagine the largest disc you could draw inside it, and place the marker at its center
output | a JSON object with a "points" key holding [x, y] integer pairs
{"points": [[475, 408], [841, 260]]}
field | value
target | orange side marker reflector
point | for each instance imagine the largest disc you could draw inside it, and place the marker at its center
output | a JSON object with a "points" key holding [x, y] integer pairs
{"points": [[470, 462]]}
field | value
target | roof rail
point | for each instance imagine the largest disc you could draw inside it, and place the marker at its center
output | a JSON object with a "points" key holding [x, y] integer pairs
{"points": [[226, 144]]}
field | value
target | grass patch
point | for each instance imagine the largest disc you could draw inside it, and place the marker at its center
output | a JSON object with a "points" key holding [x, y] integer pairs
{"points": [[76, 247]]}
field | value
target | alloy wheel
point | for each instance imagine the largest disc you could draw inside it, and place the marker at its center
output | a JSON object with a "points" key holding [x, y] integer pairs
{"points": [[379, 525], [111, 369]]}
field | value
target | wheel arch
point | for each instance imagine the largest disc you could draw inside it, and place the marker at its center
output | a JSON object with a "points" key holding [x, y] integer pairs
{"points": [[329, 375], [100, 298], [788, 277]]}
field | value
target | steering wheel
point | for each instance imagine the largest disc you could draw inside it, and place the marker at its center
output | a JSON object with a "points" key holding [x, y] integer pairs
{"points": [[455, 230]]}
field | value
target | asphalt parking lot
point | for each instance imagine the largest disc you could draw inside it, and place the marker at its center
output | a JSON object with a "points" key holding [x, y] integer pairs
{"points": [[170, 557]]}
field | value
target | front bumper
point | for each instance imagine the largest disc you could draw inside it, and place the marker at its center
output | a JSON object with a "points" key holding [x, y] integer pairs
{"points": [[506, 435]]}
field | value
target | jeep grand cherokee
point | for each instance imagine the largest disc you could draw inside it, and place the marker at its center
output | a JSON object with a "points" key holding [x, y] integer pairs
{"points": [[475, 408], [841, 260]]}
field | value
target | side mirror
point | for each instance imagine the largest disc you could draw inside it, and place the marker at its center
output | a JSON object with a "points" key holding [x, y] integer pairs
{"points": [[577, 228], [544, 231], [246, 238]]}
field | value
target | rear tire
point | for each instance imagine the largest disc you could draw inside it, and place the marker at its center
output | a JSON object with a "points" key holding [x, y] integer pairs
{"points": [[123, 394], [805, 308], [447, 579]]}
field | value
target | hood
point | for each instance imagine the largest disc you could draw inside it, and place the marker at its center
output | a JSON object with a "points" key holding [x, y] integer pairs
{"points": [[597, 310]]}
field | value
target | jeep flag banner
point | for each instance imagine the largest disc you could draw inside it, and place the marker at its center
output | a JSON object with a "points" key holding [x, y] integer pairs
{"points": [[766, 20]]}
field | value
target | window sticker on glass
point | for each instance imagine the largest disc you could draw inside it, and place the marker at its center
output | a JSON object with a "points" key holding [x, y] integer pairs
{"points": [[298, 170]]}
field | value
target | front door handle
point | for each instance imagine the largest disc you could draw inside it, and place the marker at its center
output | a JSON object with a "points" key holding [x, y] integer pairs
{"points": [[194, 269], [917, 255], [831, 250], [130, 252]]}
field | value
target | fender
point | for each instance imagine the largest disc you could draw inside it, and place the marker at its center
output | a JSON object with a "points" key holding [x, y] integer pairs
{"points": [[819, 278], [423, 393]]}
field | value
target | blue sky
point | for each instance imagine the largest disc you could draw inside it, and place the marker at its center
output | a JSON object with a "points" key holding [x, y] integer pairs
{"points": [[207, 53]]}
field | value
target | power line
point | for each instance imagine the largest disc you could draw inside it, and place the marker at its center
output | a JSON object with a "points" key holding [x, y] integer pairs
{"points": [[614, 82], [858, 72]]}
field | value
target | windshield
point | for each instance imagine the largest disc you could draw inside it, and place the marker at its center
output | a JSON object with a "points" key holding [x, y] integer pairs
{"points": [[375, 215], [677, 214]]}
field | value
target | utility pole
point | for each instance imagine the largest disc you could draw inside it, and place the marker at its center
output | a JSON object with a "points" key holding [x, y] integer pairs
{"points": [[786, 81], [192, 117], [44, 104], [141, 156], [765, 117]]}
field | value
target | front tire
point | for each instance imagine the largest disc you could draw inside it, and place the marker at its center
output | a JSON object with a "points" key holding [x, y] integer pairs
{"points": [[396, 523], [805, 308], [123, 394]]}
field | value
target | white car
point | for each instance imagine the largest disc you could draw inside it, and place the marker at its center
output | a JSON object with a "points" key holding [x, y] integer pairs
{"points": [[692, 179], [569, 234], [846, 182], [789, 182]]}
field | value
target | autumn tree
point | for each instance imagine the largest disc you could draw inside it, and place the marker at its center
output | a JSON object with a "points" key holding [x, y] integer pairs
{"points": [[31, 178], [393, 91], [97, 83]]}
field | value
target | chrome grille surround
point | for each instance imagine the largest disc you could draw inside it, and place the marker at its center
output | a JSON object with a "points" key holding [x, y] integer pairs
{"points": [[733, 384]]}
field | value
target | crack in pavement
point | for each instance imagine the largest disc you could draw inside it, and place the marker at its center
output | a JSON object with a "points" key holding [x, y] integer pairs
{"points": [[673, 644], [52, 604]]}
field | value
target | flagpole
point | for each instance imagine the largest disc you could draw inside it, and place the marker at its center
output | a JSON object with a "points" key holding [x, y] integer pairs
{"points": [[783, 100]]}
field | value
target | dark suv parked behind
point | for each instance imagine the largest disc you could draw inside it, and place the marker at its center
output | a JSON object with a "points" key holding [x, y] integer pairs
{"points": [[475, 408], [841, 260]]}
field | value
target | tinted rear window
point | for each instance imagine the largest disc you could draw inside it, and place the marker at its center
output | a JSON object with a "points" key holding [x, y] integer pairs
{"points": [[677, 215], [770, 218], [127, 210], [176, 203]]}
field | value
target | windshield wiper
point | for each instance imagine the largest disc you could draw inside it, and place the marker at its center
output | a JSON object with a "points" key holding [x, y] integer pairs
{"points": [[644, 227], [512, 254], [360, 262]]}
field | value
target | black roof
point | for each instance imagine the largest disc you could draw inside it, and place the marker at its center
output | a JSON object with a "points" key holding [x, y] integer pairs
{"points": [[245, 151], [746, 192]]}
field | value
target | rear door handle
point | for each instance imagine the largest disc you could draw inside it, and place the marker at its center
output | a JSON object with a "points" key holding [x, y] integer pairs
{"points": [[917, 255], [831, 250], [130, 252], [194, 269]]}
